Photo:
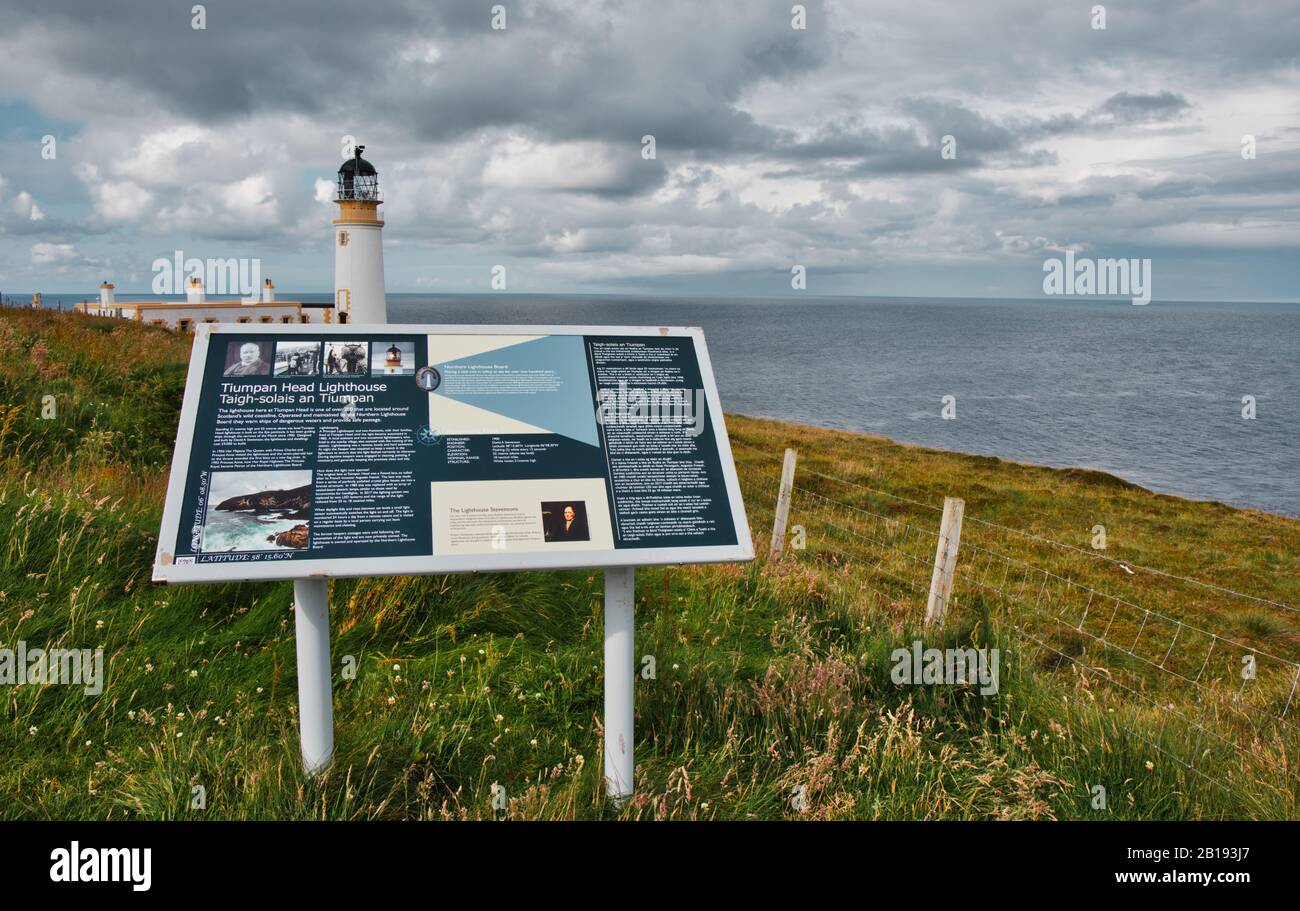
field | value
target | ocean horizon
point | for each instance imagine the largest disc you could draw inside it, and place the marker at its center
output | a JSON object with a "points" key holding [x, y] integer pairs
{"points": [[1152, 394]]}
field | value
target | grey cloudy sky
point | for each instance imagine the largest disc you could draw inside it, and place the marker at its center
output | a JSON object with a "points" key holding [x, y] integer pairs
{"points": [[774, 146]]}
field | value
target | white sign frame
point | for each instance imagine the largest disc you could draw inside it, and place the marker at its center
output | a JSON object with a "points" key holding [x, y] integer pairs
{"points": [[165, 569]]}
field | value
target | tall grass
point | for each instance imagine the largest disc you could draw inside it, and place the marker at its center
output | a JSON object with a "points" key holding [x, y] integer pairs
{"points": [[771, 680]]}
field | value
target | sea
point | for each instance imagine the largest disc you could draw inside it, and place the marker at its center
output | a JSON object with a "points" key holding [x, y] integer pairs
{"points": [[237, 531], [1154, 394]]}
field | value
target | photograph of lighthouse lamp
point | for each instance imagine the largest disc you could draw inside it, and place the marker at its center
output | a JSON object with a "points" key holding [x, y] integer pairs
{"points": [[998, 348]]}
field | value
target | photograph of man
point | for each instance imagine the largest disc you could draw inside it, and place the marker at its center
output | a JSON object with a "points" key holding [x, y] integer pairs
{"points": [[565, 521], [248, 359]]}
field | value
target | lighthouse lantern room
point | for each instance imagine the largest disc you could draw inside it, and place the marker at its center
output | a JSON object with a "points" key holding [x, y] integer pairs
{"points": [[358, 244]]}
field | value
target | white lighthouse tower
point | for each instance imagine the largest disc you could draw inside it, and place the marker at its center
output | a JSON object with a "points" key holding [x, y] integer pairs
{"points": [[358, 245]]}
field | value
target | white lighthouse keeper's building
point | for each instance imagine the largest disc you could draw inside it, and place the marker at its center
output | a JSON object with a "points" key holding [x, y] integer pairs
{"points": [[358, 245]]}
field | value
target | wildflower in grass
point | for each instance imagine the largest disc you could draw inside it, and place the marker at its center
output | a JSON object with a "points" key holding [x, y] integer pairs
{"points": [[31, 731], [1150, 765], [194, 674], [500, 718], [396, 666], [392, 700], [99, 624], [533, 743]]}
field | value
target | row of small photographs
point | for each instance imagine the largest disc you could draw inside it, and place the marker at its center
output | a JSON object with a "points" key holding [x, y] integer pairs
{"points": [[294, 358]]}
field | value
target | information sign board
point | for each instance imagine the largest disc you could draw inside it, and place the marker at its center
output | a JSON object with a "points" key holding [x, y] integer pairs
{"points": [[353, 450]]}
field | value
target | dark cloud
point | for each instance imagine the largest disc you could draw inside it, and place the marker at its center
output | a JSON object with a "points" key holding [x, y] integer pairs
{"points": [[1128, 108], [771, 142]]}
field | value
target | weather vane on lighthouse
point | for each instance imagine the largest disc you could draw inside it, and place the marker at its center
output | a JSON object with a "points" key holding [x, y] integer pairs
{"points": [[358, 244]]}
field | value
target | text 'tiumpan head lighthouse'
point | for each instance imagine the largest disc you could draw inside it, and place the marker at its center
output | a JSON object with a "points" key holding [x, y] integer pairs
{"points": [[358, 244]]}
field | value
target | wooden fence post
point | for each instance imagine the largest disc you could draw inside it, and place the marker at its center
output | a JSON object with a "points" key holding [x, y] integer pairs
{"points": [[945, 561], [782, 506]]}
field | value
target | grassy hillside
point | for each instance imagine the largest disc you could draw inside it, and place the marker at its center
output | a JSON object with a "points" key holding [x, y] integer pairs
{"points": [[770, 676]]}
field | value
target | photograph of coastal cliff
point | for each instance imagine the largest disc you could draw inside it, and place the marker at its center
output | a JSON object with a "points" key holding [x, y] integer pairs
{"points": [[258, 510]]}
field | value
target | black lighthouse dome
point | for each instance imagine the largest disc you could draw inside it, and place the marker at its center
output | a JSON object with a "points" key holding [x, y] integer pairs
{"points": [[358, 178]]}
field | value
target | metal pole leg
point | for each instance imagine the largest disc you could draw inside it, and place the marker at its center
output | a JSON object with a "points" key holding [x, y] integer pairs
{"points": [[619, 673], [315, 692]]}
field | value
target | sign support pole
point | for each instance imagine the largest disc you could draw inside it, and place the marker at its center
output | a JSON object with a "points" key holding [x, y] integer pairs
{"points": [[620, 672], [315, 689]]}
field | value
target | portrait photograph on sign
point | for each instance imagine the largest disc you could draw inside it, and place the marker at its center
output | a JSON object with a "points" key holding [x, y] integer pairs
{"points": [[248, 358], [565, 520]]}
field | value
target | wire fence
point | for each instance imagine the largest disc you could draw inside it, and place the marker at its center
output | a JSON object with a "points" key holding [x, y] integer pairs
{"points": [[1219, 701]]}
